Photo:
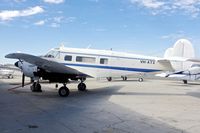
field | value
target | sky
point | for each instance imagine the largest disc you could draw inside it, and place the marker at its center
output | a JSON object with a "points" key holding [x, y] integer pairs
{"points": [[138, 26]]}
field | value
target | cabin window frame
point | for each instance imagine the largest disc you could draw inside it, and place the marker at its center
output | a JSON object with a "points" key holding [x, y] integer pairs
{"points": [[86, 59], [105, 61], [68, 58]]}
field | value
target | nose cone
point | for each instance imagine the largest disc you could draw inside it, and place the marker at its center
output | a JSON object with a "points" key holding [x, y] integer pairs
{"points": [[17, 64]]}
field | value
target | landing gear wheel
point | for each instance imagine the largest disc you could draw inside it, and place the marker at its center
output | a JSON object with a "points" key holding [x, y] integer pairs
{"points": [[36, 87], [140, 79], [109, 78], [185, 81], [10, 77], [124, 78], [63, 91], [82, 87]]}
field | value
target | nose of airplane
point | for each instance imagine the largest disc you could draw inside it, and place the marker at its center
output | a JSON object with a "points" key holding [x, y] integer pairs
{"points": [[17, 64]]}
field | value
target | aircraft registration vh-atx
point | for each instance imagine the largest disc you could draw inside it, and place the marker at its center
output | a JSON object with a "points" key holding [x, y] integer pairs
{"points": [[60, 65]]}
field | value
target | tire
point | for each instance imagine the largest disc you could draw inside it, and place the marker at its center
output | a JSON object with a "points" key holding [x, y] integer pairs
{"points": [[109, 79], [82, 87], [185, 81], [140, 79], [38, 87], [63, 91], [125, 78]]}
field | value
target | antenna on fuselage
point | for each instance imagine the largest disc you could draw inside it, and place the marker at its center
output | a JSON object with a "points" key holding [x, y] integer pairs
{"points": [[89, 46], [62, 46]]}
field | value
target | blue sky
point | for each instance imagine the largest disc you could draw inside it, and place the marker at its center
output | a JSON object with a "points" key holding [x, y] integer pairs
{"points": [[138, 26]]}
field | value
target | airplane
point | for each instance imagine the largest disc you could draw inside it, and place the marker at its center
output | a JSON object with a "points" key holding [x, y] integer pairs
{"points": [[191, 74], [7, 71], [182, 70], [60, 65]]}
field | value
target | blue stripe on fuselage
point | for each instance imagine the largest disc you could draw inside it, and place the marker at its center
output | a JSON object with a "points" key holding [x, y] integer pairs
{"points": [[114, 68]]}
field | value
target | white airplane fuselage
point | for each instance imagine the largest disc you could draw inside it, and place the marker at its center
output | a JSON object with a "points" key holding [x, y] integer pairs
{"points": [[61, 64], [106, 63]]}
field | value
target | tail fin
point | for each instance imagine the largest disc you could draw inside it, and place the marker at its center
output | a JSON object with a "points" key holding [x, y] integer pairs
{"points": [[182, 48]]}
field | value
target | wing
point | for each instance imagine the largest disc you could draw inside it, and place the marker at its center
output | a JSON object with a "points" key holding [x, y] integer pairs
{"points": [[180, 59], [177, 74], [48, 65]]}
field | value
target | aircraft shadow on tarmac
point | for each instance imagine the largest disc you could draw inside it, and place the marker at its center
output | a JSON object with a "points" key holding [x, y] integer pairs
{"points": [[99, 93], [80, 112], [52, 93]]}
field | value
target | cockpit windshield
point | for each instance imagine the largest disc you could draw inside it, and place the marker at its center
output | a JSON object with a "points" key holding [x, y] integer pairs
{"points": [[52, 54]]}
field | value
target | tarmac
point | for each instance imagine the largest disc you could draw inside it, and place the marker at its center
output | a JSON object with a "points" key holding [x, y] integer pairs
{"points": [[152, 106]]}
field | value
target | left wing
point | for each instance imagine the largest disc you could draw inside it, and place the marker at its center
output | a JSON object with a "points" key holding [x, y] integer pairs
{"points": [[46, 64]]}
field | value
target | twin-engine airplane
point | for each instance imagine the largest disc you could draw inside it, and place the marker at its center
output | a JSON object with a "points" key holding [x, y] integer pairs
{"points": [[62, 64]]}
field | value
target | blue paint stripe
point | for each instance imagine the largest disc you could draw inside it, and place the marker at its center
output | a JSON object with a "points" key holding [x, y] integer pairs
{"points": [[114, 68]]}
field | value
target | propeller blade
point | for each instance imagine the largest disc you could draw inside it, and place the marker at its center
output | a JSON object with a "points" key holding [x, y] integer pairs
{"points": [[23, 79]]}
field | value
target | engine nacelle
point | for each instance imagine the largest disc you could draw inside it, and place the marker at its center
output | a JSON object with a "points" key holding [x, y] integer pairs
{"points": [[27, 68], [194, 70]]}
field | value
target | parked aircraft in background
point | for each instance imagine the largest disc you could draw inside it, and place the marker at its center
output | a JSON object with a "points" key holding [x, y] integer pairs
{"points": [[63, 64], [182, 70], [192, 73], [7, 71]]}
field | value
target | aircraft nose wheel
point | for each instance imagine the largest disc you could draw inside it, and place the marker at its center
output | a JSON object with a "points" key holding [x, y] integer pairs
{"points": [[63, 91], [82, 87]]}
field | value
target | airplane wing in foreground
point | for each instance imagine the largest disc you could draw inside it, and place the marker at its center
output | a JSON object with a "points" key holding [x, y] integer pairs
{"points": [[46, 64]]}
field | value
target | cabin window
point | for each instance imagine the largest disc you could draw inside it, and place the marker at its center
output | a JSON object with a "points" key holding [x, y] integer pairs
{"points": [[85, 59], [68, 58], [103, 61]]}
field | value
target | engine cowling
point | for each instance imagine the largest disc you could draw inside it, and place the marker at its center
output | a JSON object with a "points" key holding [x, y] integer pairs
{"points": [[27, 68], [194, 70]]}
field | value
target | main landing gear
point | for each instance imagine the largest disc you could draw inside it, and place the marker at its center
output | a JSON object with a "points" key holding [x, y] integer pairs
{"points": [[124, 78], [64, 91], [81, 86], [36, 87], [109, 79], [185, 81]]}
